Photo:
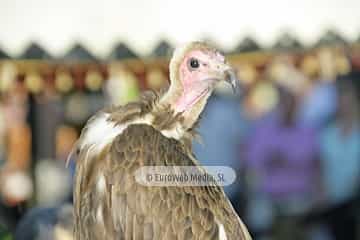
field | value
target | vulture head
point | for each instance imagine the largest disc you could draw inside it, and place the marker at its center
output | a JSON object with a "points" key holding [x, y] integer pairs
{"points": [[195, 69]]}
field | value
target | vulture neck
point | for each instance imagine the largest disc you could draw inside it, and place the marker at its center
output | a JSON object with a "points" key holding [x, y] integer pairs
{"points": [[189, 104]]}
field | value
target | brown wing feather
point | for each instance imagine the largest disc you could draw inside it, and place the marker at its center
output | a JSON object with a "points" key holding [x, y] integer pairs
{"points": [[132, 211]]}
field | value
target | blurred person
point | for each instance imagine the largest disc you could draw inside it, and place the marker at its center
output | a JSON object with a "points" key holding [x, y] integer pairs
{"points": [[319, 97], [53, 179], [52, 217], [282, 166], [318, 104], [16, 186], [340, 150], [53, 223]]}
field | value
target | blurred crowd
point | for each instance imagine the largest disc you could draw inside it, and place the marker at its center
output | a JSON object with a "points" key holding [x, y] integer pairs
{"points": [[292, 134]]}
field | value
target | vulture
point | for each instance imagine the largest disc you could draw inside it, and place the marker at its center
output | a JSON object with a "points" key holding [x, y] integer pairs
{"points": [[157, 130]]}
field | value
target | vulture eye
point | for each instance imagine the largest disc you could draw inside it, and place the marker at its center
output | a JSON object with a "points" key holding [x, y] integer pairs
{"points": [[194, 63]]}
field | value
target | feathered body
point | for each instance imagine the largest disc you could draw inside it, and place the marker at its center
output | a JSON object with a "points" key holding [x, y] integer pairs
{"points": [[110, 204]]}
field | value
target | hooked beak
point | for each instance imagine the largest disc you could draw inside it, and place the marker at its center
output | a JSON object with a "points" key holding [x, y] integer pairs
{"points": [[223, 72], [230, 77]]}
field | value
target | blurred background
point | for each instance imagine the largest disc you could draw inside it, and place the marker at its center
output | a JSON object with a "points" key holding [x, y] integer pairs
{"points": [[292, 134]]}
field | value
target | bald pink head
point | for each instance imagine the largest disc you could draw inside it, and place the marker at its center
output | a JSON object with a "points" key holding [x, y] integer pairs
{"points": [[199, 71], [198, 67]]}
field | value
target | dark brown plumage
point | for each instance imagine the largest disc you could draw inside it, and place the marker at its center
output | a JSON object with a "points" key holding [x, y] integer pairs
{"points": [[110, 204]]}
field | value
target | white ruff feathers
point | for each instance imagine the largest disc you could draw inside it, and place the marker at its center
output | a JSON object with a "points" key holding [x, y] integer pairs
{"points": [[101, 132]]}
